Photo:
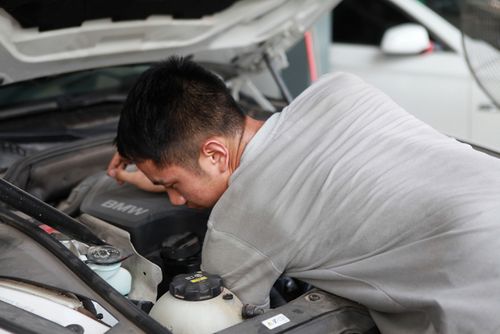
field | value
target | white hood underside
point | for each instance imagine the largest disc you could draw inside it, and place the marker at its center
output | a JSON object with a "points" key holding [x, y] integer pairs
{"points": [[248, 27]]}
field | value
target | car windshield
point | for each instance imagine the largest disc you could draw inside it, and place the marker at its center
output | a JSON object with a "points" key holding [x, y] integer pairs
{"points": [[110, 80], [41, 113]]}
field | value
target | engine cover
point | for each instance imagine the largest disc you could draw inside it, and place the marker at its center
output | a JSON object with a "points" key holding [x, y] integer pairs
{"points": [[148, 217]]}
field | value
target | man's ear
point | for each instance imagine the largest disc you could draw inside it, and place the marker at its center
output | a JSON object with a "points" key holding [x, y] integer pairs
{"points": [[215, 153]]}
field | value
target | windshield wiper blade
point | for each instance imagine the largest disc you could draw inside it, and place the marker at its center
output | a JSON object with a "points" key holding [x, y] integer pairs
{"points": [[56, 135], [24, 110], [68, 102], [60, 103]]}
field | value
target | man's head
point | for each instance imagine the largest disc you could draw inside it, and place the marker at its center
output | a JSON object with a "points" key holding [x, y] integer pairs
{"points": [[179, 125], [172, 108]]}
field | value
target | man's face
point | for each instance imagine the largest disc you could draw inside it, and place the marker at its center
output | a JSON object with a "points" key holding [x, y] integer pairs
{"points": [[200, 189]]}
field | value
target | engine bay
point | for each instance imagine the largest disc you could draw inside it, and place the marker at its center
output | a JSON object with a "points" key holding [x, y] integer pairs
{"points": [[169, 237]]}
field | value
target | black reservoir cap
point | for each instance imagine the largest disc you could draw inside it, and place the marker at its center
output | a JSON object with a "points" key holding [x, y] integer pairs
{"points": [[196, 286]]}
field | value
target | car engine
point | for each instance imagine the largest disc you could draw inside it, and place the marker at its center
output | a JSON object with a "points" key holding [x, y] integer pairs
{"points": [[167, 235]]}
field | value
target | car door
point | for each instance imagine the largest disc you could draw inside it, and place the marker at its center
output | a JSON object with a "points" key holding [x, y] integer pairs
{"points": [[434, 85]]}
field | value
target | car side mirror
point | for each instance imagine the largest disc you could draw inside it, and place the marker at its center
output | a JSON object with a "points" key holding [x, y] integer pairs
{"points": [[405, 39]]}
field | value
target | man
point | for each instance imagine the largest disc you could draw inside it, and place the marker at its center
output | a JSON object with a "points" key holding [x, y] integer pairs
{"points": [[343, 190]]}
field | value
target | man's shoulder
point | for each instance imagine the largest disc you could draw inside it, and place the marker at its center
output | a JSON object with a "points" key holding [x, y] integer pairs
{"points": [[341, 76], [338, 80], [334, 87]]}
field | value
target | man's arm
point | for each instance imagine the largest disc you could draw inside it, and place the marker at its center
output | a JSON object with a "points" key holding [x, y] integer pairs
{"points": [[117, 170]]}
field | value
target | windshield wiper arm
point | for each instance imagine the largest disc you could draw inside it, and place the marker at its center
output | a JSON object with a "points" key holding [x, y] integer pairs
{"points": [[60, 103], [56, 135]]}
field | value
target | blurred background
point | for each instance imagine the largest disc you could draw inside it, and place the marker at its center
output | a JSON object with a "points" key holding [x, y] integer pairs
{"points": [[413, 51]]}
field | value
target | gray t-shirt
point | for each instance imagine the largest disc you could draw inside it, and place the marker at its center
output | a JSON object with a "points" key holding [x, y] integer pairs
{"points": [[348, 192]]}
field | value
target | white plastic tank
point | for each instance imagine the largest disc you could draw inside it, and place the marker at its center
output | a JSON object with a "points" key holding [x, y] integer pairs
{"points": [[197, 304], [105, 261], [116, 276]]}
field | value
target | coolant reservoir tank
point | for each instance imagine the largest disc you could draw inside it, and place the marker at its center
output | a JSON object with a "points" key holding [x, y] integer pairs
{"points": [[197, 304], [106, 262]]}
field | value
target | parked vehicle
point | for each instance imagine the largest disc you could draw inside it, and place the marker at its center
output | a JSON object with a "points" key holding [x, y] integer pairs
{"points": [[416, 57]]}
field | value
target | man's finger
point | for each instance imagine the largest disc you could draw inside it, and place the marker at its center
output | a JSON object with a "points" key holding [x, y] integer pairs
{"points": [[117, 163], [123, 175]]}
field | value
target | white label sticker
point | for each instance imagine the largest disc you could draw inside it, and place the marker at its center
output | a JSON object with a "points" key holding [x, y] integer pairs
{"points": [[275, 321]]}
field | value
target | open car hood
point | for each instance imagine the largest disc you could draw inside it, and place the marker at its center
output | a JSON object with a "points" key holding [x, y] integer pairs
{"points": [[240, 33]]}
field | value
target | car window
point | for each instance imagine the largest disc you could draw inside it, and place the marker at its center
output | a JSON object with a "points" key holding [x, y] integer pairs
{"points": [[364, 22], [448, 9]]}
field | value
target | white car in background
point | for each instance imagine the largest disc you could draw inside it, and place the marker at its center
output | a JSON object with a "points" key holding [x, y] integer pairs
{"points": [[388, 43]]}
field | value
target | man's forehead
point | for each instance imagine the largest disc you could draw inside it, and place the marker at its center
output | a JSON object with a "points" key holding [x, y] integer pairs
{"points": [[147, 165], [152, 171]]}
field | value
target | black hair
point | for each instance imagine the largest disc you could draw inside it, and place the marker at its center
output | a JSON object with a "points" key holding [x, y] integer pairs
{"points": [[171, 109]]}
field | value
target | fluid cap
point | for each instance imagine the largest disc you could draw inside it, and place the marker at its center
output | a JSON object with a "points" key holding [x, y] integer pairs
{"points": [[103, 254], [196, 286]]}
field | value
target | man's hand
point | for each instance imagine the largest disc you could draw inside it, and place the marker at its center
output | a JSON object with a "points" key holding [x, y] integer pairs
{"points": [[117, 170]]}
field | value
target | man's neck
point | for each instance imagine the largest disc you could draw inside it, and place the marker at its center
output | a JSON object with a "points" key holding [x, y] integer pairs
{"points": [[250, 129]]}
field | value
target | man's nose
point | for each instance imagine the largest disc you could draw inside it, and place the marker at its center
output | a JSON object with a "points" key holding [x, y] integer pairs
{"points": [[175, 197]]}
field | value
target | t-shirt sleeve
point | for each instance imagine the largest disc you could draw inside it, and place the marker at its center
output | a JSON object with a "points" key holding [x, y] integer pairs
{"points": [[245, 271]]}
